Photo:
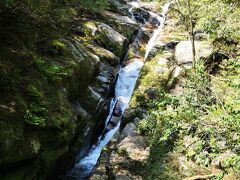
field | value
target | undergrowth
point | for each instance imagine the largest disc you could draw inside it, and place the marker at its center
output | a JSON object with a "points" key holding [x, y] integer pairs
{"points": [[207, 113]]}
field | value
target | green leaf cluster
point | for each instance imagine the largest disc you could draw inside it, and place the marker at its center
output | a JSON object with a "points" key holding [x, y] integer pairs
{"points": [[207, 112], [55, 12], [219, 19]]}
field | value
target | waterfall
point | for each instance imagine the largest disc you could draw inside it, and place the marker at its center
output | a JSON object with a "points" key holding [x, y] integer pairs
{"points": [[127, 78], [152, 41]]}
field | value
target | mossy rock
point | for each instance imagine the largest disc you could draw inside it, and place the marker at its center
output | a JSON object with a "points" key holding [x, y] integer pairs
{"points": [[122, 24], [110, 39], [104, 54], [105, 36], [37, 114]]}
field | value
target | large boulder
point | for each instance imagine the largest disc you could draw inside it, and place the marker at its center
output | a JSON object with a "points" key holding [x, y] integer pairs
{"points": [[123, 24], [119, 6], [110, 39], [93, 98], [131, 154], [124, 157], [84, 67], [104, 55], [102, 34], [183, 52], [133, 143], [94, 76]]}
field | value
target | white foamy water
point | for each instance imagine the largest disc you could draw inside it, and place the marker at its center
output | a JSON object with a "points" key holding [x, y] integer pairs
{"points": [[133, 4], [127, 78], [156, 33], [86, 165], [126, 82]]}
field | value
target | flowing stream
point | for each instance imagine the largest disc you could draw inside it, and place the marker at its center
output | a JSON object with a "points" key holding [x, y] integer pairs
{"points": [[127, 78]]}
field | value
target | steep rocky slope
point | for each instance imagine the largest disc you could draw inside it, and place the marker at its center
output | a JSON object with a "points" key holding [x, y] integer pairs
{"points": [[54, 92]]}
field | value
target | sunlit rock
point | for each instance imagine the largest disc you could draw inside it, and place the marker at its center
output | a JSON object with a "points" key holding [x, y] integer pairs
{"points": [[183, 52], [122, 24], [110, 39], [104, 54]]}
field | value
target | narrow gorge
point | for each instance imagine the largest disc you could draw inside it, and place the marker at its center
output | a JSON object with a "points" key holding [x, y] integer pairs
{"points": [[125, 82], [119, 90]]}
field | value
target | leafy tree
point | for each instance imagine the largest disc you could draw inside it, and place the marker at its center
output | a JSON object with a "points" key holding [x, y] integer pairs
{"points": [[93, 4], [219, 19], [188, 10], [52, 11]]}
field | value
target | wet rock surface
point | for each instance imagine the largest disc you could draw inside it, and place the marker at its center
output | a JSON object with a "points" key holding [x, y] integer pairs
{"points": [[126, 155]]}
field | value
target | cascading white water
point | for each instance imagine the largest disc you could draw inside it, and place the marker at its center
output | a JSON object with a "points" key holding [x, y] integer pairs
{"points": [[134, 4], [152, 41], [127, 78], [85, 166]]}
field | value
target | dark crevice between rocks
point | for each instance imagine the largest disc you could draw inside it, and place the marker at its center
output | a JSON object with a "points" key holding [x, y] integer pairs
{"points": [[125, 54], [8, 168], [214, 61]]}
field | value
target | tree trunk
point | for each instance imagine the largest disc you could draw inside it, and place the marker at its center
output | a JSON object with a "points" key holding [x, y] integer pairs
{"points": [[191, 34]]}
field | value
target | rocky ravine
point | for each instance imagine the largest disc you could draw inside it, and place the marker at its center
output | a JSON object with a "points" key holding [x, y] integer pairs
{"points": [[54, 96], [126, 156]]}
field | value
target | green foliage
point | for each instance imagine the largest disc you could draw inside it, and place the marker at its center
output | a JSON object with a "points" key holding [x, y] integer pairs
{"points": [[233, 162], [33, 119], [52, 72], [220, 20], [57, 15], [201, 113], [188, 10], [33, 92], [217, 18], [58, 47], [93, 4], [8, 2]]}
